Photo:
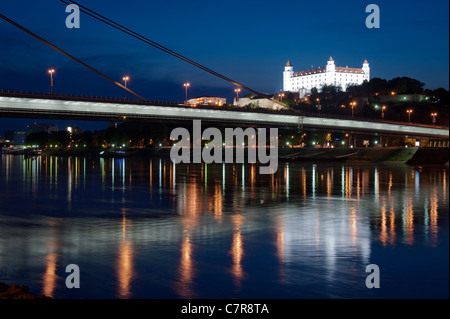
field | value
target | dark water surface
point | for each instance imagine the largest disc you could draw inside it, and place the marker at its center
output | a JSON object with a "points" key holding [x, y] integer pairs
{"points": [[143, 228]]}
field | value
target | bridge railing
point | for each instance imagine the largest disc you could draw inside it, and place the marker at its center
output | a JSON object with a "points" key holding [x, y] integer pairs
{"points": [[82, 98]]}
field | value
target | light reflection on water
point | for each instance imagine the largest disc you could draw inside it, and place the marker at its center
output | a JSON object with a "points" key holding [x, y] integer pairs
{"points": [[146, 228]]}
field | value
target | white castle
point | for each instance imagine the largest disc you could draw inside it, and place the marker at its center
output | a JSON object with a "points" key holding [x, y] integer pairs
{"points": [[303, 81]]}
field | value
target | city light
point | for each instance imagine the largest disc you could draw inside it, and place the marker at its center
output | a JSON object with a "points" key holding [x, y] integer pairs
{"points": [[409, 114], [433, 115], [186, 85], [51, 71], [353, 104], [125, 79], [237, 94]]}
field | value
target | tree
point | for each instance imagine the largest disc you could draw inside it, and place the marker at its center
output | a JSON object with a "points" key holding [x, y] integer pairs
{"points": [[405, 85], [378, 85], [38, 138]]}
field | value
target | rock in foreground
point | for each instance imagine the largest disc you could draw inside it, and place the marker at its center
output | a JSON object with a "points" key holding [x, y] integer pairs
{"points": [[18, 292]]}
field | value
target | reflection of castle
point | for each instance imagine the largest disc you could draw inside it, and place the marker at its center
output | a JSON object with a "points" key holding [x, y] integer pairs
{"points": [[303, 81], [321, 238]]}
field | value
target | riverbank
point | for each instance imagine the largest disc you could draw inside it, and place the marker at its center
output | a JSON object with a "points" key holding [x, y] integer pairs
{"points": [[411, 155]]}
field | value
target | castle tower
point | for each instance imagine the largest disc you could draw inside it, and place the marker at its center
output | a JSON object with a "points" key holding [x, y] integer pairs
{"points": [[330, 74], [366, 68], [330, 65], [287, 74]]}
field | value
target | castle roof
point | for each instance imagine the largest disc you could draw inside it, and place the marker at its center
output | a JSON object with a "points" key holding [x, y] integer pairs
{"points": [[312, 71], [288, 63], [349, 70], [365, 62], [322, 70], [330, 59]]}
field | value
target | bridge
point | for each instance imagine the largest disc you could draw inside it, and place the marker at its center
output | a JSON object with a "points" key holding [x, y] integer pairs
{"points": [[35, 105]]}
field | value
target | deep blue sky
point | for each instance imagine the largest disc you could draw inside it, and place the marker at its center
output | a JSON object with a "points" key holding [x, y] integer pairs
{"points": [[248, 41]]}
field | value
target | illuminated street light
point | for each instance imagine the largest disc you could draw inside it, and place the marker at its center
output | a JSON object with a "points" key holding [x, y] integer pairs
{"points": [[51, 71], [125, 79], [409, 114], [382, 111], [237, 94], [353, 104], [186, 85], [281, 96], [434, 118]]}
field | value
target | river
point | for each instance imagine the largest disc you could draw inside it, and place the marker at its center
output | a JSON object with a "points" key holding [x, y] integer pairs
{"points": [[146, 228]]}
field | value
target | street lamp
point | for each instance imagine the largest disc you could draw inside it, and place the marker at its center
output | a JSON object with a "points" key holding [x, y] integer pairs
{"points": [[51, 71], [319, 107], [353, 104], [237, 94], [434, 118], [382, 111], [125, 79], [186, 85], [281, 96], [409, 114]]}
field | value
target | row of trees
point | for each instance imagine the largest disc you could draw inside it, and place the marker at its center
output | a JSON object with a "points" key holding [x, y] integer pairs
{"points": [[129, 134], [399, 85], [369, 101]]}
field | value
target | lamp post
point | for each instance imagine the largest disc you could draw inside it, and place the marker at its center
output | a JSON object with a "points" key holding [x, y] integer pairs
{"points": [[237, 94], [125, 79], [353, 104], [433, 115], [51, 71], [281, 97], [382, 111], [409, 114], [186, 85], [319, 107]]}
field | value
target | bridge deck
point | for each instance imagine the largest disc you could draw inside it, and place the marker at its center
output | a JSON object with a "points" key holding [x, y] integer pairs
{"points": [[63, 107]]}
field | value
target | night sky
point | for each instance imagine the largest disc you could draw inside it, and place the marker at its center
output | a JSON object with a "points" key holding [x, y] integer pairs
{"points": [[248, 41]]}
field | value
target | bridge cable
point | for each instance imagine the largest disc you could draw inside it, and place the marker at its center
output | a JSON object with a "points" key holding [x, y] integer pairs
{"points": [[152, 43], [136, 35], [68, 55]]}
